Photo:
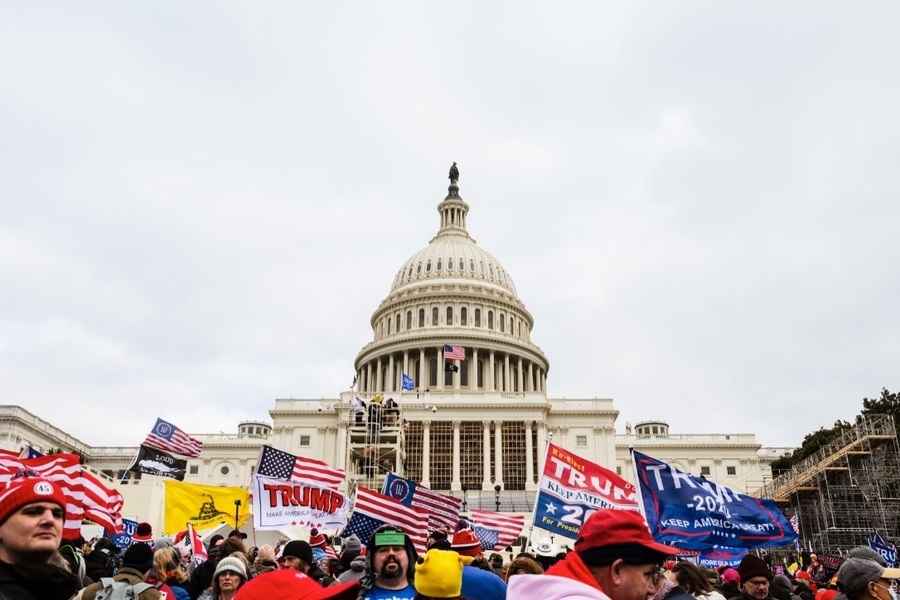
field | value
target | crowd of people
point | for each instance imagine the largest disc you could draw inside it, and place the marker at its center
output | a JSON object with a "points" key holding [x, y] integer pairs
{"points": [[614, 558]]}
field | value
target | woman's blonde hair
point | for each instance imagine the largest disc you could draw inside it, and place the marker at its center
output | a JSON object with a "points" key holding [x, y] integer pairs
{"points": [[166, 563]]}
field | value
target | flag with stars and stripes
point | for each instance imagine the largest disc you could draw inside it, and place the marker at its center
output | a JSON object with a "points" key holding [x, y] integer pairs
{"points": [[508, 527], [371, 510], [442, 511], [284, 465], [454, 352], [168, 438]]}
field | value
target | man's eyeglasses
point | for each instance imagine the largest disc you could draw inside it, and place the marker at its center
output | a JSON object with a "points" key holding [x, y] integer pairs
{"points": [[654, 575]]}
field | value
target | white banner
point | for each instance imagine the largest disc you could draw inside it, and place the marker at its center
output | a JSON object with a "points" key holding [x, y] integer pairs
{"points": [[278, 503]]}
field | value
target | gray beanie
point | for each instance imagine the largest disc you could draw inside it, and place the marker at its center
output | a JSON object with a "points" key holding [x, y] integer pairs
{"points": [[232, 564], [351, 546]]}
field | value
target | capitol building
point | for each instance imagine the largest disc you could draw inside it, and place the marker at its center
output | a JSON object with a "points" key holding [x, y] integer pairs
{"points": [[474, 425]]}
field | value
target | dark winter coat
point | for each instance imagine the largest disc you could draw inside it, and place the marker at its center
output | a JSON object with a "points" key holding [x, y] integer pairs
{"points": [[36, 582]]}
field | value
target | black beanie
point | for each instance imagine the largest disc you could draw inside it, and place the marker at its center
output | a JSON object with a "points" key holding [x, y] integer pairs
{"points": [[139, 556], [753, 566]]}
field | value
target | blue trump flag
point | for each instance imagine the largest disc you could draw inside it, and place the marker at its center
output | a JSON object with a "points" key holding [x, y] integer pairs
{"points": [[408, 383], [122, 540], [883, 547], [698, 514]]}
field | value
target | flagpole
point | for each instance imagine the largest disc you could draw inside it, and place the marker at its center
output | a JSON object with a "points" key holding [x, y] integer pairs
{"points": [[537, 493], [637, 484]]}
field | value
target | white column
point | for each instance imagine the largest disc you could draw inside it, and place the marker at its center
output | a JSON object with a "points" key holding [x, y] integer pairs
{"points": [[520, 384], [473, 372], [390, 386], [457, 375], [421, 380], [426, 453], [455, 483], [506, 382], [368, 377], [542, 445], [491, 379], [529, 457], [529, 386], [342, 446], [498, 452], [379, 378], [486, 456], [440, 367], [405, 367]]}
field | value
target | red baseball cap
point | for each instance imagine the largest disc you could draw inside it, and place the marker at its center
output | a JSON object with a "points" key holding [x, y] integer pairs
{"points": [[610, 527], [290, 584]]}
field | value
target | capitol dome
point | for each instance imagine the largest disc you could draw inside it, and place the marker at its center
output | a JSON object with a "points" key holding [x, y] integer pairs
{"points": [[452, 293]]}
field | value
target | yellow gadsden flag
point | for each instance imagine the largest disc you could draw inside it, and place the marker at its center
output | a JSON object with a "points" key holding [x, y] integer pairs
{"points": [[203, 506]]}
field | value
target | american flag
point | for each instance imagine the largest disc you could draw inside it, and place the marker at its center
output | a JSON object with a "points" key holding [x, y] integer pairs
{"points": [[442, 511], [372, 510], [283, 465], [169, 438], [454, 352], [508, 526], [88, 497]]}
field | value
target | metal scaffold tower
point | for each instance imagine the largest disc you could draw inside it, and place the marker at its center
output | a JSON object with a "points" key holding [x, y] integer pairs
{"points": [[848, 489], [374, 440]]}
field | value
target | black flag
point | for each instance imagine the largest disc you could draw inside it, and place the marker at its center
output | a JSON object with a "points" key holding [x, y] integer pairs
{"points": [[156, 462]]}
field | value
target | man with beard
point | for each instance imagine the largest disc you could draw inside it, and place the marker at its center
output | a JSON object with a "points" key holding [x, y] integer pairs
{"points": [[32, 513], [392, 559]]}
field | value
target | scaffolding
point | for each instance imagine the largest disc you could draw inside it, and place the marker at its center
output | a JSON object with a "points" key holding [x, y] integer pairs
{"points": [[848, 489], [375, 440]]}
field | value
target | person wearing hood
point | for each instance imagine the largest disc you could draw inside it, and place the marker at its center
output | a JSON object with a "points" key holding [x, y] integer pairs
{"points": [[782, 588], [755, 579], [391, 566], [614, 559]]}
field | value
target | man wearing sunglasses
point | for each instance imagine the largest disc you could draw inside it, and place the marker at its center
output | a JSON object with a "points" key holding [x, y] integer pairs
{"points": [[615, 558], [862, 579]]}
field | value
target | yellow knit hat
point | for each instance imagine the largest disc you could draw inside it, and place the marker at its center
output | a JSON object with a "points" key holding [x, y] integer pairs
{"points": [[440, 574]]}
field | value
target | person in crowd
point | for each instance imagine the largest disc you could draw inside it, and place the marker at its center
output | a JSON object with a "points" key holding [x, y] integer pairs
{"points": [[479, 581], [296, 555], [102, 560], [167, 568], [861, 579], [496, 562], [690, 582], [391, 566], [755, 578], [439, 575], [71, 552], [290, 584], [229, 576], [802, 589], [265, 560], [782, 589], [817, 570], [615, 558], [523, 565], [202, 575], [350, 549], [143, 533], [32, 513], [731, 583], [136, 564]]}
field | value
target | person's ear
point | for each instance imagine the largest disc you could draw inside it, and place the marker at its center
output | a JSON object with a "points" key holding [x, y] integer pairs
{"points": [[617, 571]]}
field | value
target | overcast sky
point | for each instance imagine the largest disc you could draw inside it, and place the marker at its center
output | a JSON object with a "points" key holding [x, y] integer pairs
{"points": [[203, 203]]}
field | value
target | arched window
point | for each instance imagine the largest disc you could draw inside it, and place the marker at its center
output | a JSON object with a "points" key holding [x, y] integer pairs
{"points": [[477, 317], [439, 265], [464, 317], [389, 325], [419, 269], [397, 323], [491, 319], [472, 264], [421, 317], [502, 323], [434, 316], [408, 320], [462, 264], [450, 264], [428, 267], [449, 315]]}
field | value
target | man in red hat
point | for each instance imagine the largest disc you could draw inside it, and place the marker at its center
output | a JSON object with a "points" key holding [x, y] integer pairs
{"points": [[615, 558], [290, 584], [32, 514]]}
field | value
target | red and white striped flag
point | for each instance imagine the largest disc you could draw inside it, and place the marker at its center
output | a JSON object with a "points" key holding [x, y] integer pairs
{"points": [[443, 511], [508, 526], [372, 510], [88, 497], [284, 465], [168, 438], [454, 352]]}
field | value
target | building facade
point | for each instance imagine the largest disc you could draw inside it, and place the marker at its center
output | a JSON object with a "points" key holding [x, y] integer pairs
{"points": [[473, 419]]}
